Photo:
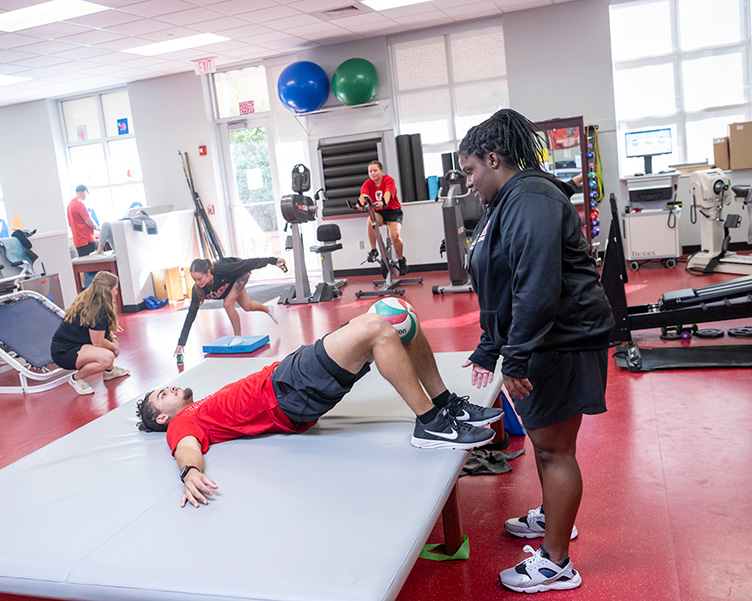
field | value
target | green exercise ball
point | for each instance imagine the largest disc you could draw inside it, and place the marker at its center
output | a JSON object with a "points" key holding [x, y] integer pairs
{"points": [[356, 81]]}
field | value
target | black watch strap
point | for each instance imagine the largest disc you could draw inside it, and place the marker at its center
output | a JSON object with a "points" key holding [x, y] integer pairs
{"points": [[185, 471]]}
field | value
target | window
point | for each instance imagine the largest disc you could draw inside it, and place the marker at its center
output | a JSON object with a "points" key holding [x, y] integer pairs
{"points": [[4, 225], [102, 153], [683, 64], [241, 92], [445, 84]]}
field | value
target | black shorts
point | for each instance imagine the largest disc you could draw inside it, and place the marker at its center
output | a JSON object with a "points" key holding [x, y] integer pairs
{"points": [[564, 383], [86, 249], [390, 215], [65, 354], [308, 383]]}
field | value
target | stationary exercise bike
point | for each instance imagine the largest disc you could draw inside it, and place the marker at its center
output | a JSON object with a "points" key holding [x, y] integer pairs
{"points": [[296, 209], [389, 268]]}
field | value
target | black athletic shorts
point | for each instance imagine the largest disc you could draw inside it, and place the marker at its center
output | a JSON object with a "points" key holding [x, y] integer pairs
{"points": [[308, 383], [564, 383], [390, 215], [65, 354]]}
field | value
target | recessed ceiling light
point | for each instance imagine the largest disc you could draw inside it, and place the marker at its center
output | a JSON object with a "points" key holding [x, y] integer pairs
{"points": [[387, 4], [192, 41], [47, 12], [6, 80]]}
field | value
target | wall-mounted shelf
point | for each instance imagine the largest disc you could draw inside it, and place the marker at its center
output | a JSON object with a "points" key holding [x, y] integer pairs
{"points": [[335, 111]]}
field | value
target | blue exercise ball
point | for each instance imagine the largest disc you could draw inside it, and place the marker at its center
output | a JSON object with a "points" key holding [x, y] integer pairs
{"points": [[355, 81], [303, 87]]}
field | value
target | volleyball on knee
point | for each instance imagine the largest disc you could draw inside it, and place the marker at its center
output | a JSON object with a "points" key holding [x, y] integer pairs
{"points": [[400, 314]]}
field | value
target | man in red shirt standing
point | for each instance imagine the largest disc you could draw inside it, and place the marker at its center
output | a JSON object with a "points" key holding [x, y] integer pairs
{"points": [[292, 394], [381, 189], [81, 223]]}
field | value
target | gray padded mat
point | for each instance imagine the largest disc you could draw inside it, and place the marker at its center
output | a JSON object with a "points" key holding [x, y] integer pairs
{"points": [[337, 513]]}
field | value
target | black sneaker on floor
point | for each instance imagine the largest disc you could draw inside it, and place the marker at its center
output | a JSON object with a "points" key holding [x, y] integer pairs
{"points": [[373, 256], [402, 266], [445, 432], [466, 412]]}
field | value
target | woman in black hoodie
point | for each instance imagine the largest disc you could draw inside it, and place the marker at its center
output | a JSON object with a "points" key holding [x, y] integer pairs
{"points": [[544, 311]]}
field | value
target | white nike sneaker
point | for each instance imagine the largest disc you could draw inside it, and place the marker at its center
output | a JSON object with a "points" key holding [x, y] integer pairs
{"points": [[271, 314], [445, 432]]}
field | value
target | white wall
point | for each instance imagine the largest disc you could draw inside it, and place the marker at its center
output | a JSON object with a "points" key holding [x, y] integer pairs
{"points": [[170, 114], [559, 65], [32, 163]]}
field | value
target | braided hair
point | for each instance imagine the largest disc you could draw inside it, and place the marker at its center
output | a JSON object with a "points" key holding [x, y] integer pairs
{"points": [[509, 135]]}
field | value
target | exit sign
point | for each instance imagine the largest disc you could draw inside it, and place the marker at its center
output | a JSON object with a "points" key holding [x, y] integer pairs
{"points": [[205, 65]]}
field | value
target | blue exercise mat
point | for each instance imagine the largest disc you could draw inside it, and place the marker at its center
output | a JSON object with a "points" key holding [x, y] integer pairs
{"points": [[27, 327], [249, 344]]}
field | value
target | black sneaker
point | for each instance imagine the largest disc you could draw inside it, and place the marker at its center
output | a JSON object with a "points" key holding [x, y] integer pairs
{"points": [[373, 256], [472, 414], [445, 432], [402, 266]]}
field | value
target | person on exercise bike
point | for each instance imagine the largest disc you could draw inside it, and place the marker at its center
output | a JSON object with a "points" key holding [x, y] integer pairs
{"points": [[381, 189]]}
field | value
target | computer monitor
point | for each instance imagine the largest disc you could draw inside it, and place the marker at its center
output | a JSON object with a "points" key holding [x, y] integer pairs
{"points": [[647, 144]]}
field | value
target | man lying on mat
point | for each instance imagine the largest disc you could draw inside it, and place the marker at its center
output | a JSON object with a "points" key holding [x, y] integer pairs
{"points": [[289, 396]]}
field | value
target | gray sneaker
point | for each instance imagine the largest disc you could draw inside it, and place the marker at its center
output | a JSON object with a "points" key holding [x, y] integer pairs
{"points": [[445, 432], [532, 525], [471, 414]]}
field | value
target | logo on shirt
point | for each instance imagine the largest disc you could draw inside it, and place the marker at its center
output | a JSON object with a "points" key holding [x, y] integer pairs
{"points": [[218, 292], [481, 237]]}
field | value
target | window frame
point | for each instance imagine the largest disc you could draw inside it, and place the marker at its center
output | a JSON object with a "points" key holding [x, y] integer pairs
{"points": [[103, 141], [677, 58]]}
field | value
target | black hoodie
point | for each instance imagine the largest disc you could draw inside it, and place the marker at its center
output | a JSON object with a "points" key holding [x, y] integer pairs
{"points": [[538, 287]]}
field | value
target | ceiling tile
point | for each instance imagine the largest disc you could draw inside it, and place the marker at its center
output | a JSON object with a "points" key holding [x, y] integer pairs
{"points": [[14, 40], [93, 36], [54, 31], [315, 6], [188, 17], [137, 28], [83, 52], [285, 24], [474, 10], [9, 56], [513, 5], [245, 31], [155, 8], [36, 62], [315, 29], [236, 7], [50, 47], [169, 33], [218, 25], [270, 14], [104, 19]]}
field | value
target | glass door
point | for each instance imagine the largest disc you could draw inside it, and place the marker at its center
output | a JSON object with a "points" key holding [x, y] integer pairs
{"points": [[256, 219]]}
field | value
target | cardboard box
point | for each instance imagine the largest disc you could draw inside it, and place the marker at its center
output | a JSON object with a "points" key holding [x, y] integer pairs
{"points": [[168, 284], [740, 145], [721, 153]]}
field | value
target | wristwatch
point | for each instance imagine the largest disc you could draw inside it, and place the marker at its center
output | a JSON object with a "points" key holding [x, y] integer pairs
{"points": [[185, 471]]}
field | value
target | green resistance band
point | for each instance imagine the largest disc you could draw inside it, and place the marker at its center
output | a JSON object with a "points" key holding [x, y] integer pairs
{"points": [[462, 553]]}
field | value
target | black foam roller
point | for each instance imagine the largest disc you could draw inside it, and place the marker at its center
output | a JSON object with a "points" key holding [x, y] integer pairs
{"points": [[446, 162], [421, 185], [407, 176]]}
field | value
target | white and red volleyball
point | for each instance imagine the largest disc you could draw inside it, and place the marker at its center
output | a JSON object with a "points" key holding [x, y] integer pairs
{"points": [[400, 314]]}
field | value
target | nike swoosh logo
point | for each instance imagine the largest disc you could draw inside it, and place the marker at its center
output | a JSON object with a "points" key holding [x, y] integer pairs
{"points": [[449, 436], [462, 416]]}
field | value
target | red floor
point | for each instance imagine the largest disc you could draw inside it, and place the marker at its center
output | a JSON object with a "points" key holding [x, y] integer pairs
{"points": [[666, 470]]}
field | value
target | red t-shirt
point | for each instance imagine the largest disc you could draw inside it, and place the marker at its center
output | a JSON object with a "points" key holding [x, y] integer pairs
{"points": [[243, 408], [77, 215], [377, 192]]}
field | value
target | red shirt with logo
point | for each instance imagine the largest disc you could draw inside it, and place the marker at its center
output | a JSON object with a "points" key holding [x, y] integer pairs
{"points": [[376, 193], [244, 408]]}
